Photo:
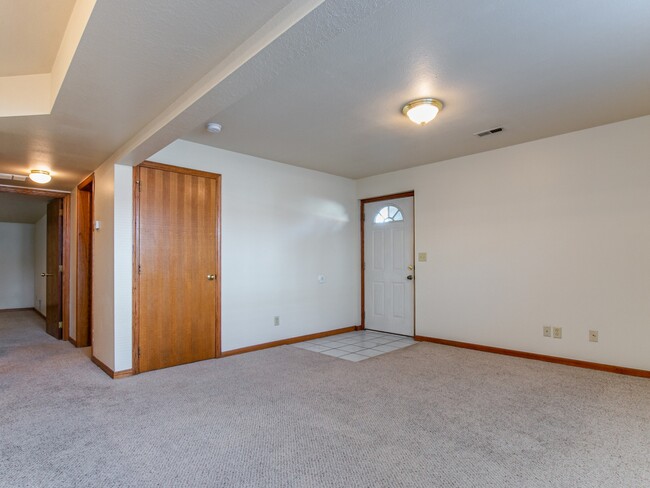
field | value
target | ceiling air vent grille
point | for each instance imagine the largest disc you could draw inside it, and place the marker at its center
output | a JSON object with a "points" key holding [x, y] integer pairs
{"points": [[7, 176], [489, 132]]}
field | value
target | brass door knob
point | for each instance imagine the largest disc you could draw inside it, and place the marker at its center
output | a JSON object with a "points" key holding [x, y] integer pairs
{"points": [[211, 277], [46, 274], [409, 277]]}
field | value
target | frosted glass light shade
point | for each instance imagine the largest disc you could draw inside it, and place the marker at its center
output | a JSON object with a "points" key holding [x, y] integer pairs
{"points": [[423, 110]]}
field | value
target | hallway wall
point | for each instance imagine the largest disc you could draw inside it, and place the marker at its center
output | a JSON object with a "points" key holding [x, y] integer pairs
{"points": [[17, 265]]}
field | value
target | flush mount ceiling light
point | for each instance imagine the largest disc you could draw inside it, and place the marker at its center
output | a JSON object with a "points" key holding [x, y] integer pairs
{"points": [[213, 127], [40, 176], [423, 110]]}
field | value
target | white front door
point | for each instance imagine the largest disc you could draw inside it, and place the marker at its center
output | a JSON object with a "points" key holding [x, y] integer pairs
{"points": [[388, 260]]}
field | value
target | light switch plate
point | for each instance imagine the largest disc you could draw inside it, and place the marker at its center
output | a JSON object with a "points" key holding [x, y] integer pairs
{"points": [[422, 257]]}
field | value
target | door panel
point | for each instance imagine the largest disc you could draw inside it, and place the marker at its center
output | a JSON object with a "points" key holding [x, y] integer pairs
{"points": [[53, 273], [177, 250], [388, 253], [84, 267]]}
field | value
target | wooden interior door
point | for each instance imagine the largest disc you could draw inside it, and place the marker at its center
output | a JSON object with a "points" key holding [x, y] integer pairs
{"points": [[54, 271], [177, 266], [84, 262]]}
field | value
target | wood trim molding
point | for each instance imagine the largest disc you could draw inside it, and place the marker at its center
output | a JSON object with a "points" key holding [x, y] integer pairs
{"points": [[539, 357], [39, 192], [72, 341], [17, 309], [178, 169], [39, 313], [113, 374], [291, 340], [392, 196], [90, 180]]}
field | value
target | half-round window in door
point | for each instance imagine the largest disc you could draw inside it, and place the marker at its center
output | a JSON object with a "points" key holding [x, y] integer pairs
{"points": [[389, 213]]}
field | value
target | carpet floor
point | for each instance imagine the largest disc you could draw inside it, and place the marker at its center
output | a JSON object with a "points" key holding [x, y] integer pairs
{"points": [[422, 416]]}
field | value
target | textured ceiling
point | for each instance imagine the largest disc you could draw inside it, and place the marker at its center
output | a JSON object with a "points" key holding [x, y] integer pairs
{"points": [[536, 68], [30, 34], [320, 84], [22, 209], [134, 60]]}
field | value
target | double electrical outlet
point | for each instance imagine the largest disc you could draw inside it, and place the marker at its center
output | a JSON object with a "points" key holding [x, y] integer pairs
{"points": [[556, 333]]}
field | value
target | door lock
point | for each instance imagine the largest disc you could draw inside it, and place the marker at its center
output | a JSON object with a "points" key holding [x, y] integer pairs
{"points": [[409, 277]]}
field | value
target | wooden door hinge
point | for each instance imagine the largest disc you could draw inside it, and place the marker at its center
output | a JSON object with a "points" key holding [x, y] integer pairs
{"points": [[139, 269], [137, 182], [138, 352]]}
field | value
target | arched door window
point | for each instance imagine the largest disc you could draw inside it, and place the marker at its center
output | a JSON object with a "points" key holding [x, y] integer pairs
{"points": [[389, 213]]}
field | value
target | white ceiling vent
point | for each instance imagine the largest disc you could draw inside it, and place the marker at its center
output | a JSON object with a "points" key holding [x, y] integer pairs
{"points": [[489, 132], [7, 176]]}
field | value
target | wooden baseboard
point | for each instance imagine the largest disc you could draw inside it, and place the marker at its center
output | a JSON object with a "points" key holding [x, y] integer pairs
{"points": [[72, 341], [291, 340], [39, 313], [16, 309], [539, 357], [113, 374]]}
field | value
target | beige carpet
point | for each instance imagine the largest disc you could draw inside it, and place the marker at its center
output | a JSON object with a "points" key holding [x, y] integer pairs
{"points": [[423, 416]]}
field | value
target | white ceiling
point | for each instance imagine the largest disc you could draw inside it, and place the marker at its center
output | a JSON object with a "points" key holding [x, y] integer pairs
{"points": [[30, 34], [322, 86], [536, 68], [22, 209]]}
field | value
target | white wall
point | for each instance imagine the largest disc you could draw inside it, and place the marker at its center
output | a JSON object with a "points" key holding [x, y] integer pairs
{"points": [[103, 269], [282, 226], [123, 282], [552, 232], [16, 265], [40, 264]]}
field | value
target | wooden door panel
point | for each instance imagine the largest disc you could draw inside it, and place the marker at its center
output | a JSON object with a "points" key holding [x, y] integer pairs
{"points": [[54, 256], [178, 250], [84, 268]]}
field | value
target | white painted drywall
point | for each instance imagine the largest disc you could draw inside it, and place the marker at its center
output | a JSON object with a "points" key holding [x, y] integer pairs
{"points": [[123, 242], [103, 269], [17, 265], [40, 264], [282, 226], [552, 232]]}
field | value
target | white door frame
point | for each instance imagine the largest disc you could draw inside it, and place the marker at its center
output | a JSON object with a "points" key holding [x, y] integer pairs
{"points": [[363, 202]]}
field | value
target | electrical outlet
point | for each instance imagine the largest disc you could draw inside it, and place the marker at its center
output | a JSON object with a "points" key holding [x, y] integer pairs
{"points": [[276, 320], [557, 332], [548, 331], [422, 257], [593, 336]]}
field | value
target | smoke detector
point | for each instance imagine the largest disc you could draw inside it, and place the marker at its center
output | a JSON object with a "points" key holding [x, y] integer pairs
{"points": [[213, 127]]}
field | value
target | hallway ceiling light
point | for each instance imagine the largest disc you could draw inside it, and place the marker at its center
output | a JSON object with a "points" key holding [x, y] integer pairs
{"points": [[423, 110], [40, 176]]}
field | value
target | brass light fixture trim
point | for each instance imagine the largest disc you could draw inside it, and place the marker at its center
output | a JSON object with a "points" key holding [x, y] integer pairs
{"points": [[423, 110]]}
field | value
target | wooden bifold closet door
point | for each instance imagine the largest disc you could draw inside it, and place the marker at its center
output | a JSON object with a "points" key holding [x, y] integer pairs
{"points": [[177, 266]]}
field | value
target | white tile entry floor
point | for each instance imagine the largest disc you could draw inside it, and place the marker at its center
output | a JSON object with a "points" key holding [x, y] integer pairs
{"points": [[358, 345]]}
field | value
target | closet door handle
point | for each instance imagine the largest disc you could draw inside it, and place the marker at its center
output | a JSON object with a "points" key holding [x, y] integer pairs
{"points": [[46, 274]]}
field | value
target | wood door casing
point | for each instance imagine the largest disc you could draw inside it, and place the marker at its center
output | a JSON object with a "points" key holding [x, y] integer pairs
{"points": [[177, 238], [84, 262], [54, 255]]}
